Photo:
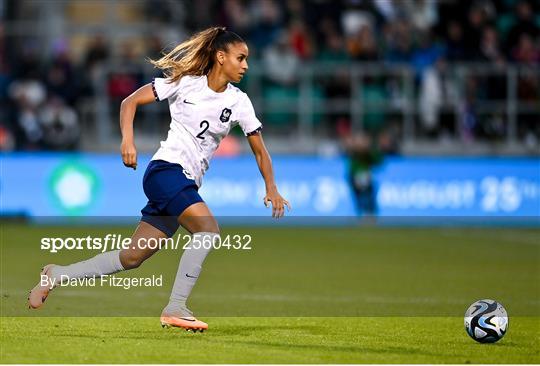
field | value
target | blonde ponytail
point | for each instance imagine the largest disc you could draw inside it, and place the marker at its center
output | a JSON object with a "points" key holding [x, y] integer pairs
{"points": [[196, 55]]}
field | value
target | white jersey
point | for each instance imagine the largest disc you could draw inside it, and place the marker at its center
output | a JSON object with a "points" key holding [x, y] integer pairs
{"points": [[200, 119]]}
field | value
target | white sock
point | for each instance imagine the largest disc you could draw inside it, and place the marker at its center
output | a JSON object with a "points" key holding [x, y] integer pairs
{"points": [[188, 271], [102, 264]]}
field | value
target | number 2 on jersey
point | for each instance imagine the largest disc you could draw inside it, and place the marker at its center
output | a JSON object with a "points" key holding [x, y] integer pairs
{"points": [[204, 125]]}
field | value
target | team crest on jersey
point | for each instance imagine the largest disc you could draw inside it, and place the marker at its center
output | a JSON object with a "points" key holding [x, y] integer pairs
{"points": [[225, 115]]}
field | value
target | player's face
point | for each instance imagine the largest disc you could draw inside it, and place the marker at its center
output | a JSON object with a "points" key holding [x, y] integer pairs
{"points": [[235, 61]]}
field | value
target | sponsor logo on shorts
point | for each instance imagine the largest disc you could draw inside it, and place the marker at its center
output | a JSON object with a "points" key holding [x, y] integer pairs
{"points": [[187, 174]]}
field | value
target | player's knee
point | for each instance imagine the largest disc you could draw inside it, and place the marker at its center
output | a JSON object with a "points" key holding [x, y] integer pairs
{"points": [[130, 261], [211, 229], [209, 225]]}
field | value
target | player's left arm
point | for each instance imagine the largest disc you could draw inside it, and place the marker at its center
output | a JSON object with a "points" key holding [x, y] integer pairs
{"points": [[265, 167]]}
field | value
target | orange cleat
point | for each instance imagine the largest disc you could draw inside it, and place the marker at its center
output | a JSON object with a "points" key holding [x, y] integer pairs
{"points": [[188, 323], [39, 293]]}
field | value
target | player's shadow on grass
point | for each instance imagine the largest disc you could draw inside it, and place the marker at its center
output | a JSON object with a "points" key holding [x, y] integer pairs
{"points": [[335, 348], [263, 329], [317, 347], [312, 331]]}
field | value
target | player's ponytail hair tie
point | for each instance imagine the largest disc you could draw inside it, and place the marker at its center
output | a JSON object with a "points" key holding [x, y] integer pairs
{"points": [[196, 55], [217, 32]]}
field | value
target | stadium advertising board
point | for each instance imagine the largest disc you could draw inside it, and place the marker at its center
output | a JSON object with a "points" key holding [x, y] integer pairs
{"points": [[98, 185]]}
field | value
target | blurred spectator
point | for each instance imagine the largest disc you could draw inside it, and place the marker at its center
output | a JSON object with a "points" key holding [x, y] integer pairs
{"points": [[363, 155], [365, 152], [154, 47], [170, 18], [268, 25], [300, 39], [60, 76], [422, 13], [60, 125], [468, 114], [158, 11], [336, 85], [526, 51], [333, 45], [426, 54], [490, 51], [528, 82], [28, 63], [294, 10], [387, 9], [456, 48], [125, 81], [399, 42], [121, 85], [28, 95], [477, 19], [281, 65], [281, 62], [235, 16], [97, 52], [96, 55], [362, 45], [356, 17], [524, 25], [490, 48], [432, 97]]}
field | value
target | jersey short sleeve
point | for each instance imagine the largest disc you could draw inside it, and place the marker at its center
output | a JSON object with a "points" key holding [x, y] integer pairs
{"points": [[248, 121], [164, 89]]}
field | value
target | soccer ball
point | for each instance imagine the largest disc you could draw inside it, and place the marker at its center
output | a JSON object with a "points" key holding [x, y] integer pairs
{"points": [[486, 321]]}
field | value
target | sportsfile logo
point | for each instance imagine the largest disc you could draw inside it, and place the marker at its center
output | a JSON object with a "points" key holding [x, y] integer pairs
{"points": [[119, 242]]}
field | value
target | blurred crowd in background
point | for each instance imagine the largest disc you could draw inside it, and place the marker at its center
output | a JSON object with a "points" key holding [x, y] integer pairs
{"points": [[44, 84]]}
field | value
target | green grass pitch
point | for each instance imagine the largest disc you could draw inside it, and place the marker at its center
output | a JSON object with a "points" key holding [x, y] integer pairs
{"points": [[300, 295]]}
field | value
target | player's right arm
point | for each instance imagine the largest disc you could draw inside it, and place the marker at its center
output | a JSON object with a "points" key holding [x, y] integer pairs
{"points": [[143, 95]]}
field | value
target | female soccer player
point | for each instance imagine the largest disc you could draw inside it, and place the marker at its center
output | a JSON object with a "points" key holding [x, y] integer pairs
{"points": [[204, 106]]}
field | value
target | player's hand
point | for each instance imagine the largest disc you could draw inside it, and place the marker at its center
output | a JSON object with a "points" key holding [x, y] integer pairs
{"points": [[278, 203], [129, 154]]}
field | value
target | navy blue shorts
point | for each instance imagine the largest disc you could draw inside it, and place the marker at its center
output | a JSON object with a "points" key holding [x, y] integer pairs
{"points": [[169, 193]]}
